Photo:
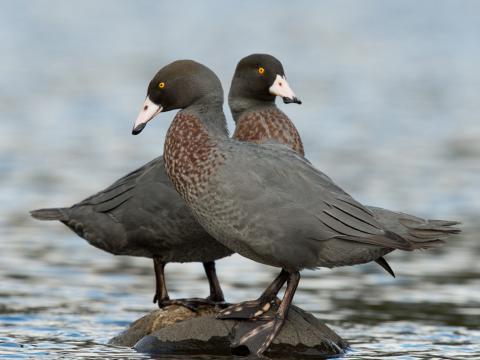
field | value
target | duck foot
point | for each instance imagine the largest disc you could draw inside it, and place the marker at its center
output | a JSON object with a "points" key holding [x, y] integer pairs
{"points": [[248, 310], [254, 308], [193, 304], [257, 335]]}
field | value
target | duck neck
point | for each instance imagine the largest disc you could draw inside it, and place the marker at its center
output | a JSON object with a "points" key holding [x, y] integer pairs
{"points": [[209, 111], [191, 153], [239, 105], [261, 122]]}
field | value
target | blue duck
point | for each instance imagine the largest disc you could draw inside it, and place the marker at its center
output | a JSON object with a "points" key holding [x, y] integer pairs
{"points": [[132, 217], [259, 120], [141, 214], [264, 201]]}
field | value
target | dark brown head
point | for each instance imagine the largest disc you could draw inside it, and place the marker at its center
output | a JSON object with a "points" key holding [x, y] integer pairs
{"points": [[177, 86], [261, 77]]}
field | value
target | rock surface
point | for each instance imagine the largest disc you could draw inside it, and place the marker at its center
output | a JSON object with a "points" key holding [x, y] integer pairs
{"points": [[180, 331]]}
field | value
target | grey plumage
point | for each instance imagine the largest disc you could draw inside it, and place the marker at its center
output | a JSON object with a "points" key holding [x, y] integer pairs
{"points": [[50, 214], [266, 202], [253, 109], [272, 206], [140, 214], [415, 229]]}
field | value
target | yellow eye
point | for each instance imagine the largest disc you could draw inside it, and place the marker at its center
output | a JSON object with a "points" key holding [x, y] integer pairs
{"points": [[261, 70], [161, 85]]}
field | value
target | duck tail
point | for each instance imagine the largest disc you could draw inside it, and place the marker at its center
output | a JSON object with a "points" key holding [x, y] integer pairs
{"points": [[430, 233], [50, 214], [433, 228]]}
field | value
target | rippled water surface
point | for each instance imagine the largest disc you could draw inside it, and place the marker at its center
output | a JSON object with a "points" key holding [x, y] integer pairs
{"points": [[390, 110]]}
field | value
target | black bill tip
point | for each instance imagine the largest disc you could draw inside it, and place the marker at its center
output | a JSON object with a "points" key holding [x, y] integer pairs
{"points": [[138, 129], [287, 100]]}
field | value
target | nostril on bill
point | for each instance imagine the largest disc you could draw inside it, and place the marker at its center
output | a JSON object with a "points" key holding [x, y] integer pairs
{"points": [[145, 108]]}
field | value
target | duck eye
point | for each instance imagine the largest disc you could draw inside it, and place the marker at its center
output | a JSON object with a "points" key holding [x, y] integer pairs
{"points": [[261, 70], [161, 85]]}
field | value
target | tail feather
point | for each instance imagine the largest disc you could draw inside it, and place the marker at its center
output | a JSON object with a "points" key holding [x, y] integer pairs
{"points": [[419, 233], [385, 265], [50, 214], [424, 244], [443, 223], [430, 229]]}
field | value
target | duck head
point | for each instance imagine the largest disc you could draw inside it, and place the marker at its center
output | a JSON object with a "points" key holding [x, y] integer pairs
{"points": [[178, 86], [261, 77]]}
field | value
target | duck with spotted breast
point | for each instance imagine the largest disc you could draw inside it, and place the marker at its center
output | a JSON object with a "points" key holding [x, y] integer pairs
{"points": [[259, 120], [232, 187], [141, 214]]}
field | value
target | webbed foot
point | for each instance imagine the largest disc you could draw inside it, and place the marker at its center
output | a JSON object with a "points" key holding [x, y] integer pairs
{"points": [[257, 335], [193, 304], [249, 309]]}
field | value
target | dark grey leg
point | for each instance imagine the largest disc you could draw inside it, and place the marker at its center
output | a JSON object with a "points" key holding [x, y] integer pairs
{"points": [[216, 293], [161, 293]]}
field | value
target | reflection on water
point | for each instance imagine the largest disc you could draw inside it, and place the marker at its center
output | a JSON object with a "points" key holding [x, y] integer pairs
{"points": [[390, 110]]}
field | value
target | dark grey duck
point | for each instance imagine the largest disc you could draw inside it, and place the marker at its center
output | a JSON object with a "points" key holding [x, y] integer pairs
{"points": [[265, 201], [141, 214], [259, 120]]}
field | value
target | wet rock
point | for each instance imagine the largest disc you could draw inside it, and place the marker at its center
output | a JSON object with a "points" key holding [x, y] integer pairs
{"points": [[180, 331]]}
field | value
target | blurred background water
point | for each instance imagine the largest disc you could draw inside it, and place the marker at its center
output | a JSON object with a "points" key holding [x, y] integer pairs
{"points": [[390, 110]]}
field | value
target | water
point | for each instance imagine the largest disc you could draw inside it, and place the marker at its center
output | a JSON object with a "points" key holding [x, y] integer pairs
{"points": [[390, 111]]}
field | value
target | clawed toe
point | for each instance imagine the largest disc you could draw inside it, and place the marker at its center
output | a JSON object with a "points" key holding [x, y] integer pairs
{"points": [[247, 310]]}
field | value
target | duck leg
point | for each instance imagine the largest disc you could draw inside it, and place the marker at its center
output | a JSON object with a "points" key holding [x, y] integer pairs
{"points": [[216, 293], [163, 300], [254, 308], [258, 335], [161, 293]]}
